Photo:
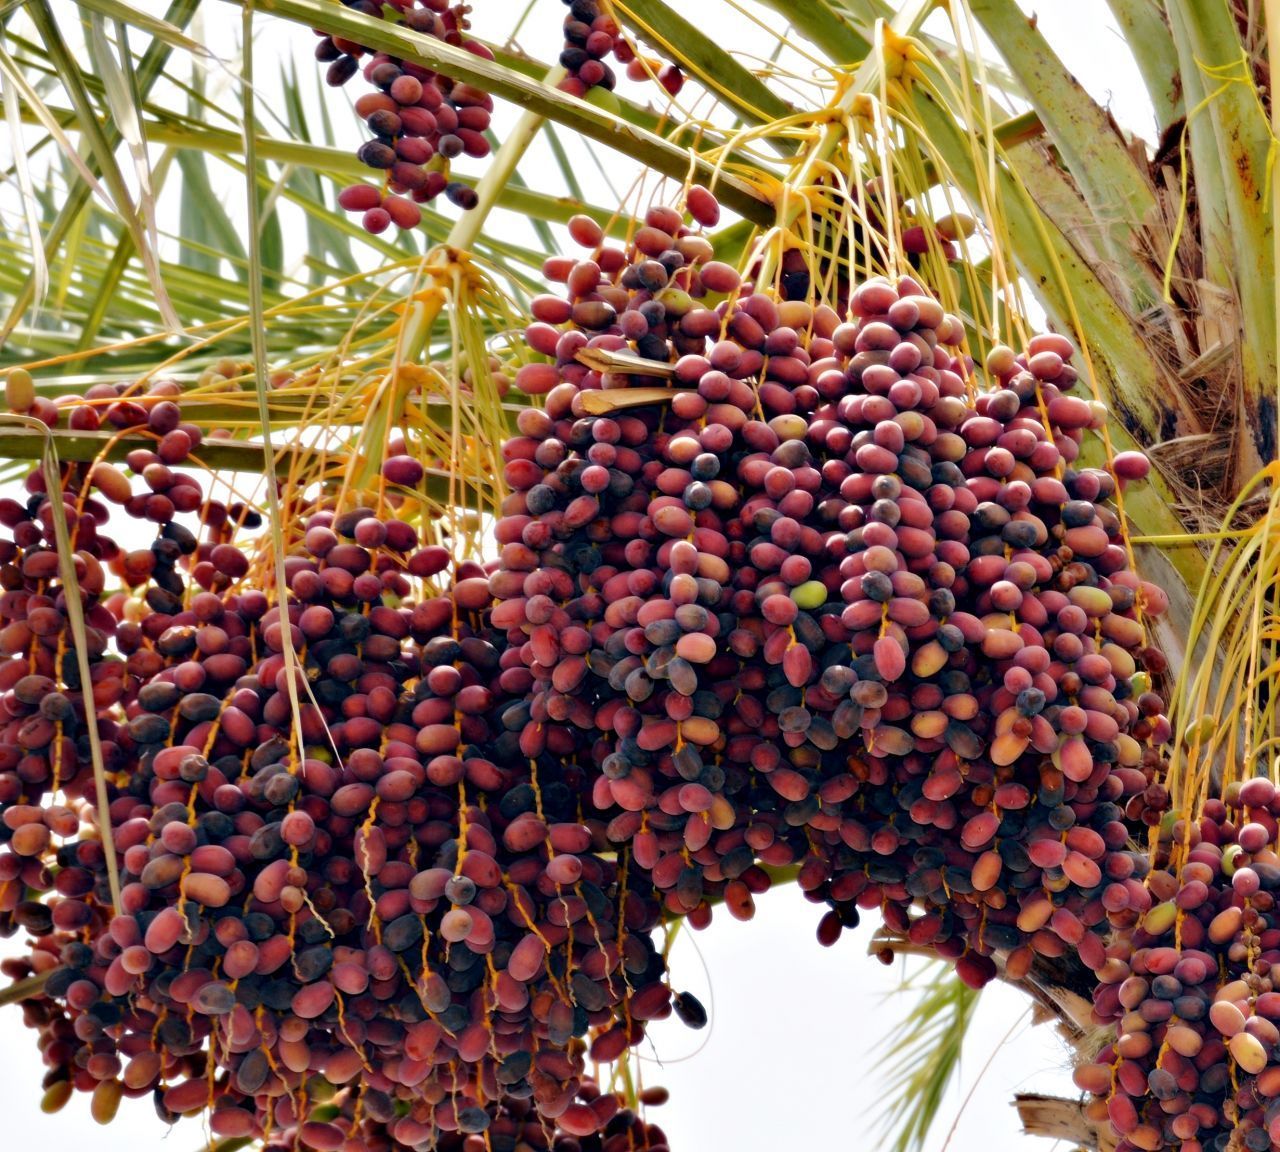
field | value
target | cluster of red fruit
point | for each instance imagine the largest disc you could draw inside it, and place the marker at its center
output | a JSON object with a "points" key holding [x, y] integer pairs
{"points": [[406, 830], [421, 120], [335, 866]]}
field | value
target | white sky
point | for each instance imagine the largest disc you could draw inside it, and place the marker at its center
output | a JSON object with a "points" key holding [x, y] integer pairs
{"points": [[801, 1035]]}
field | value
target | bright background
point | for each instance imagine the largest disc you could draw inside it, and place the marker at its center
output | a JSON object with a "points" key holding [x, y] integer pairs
{"points": [[802, 1037]]}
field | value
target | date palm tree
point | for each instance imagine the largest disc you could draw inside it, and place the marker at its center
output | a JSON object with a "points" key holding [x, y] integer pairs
{"points": [[171, 194]]}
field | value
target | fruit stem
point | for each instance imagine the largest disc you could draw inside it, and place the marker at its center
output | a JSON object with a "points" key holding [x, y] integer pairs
{"points": [[869, 76], [21, 990], [1272, 11], [387, 410], [421, 313], [76, 623], [258, 334], [500, 169]]}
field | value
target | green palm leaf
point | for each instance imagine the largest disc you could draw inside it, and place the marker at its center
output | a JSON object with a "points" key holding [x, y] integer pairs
{"points": [[927, 1060]]}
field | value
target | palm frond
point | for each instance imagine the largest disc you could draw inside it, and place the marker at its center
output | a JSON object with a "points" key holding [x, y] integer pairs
{"points": [[927, 1055], [149, 69], [71, 77]]}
